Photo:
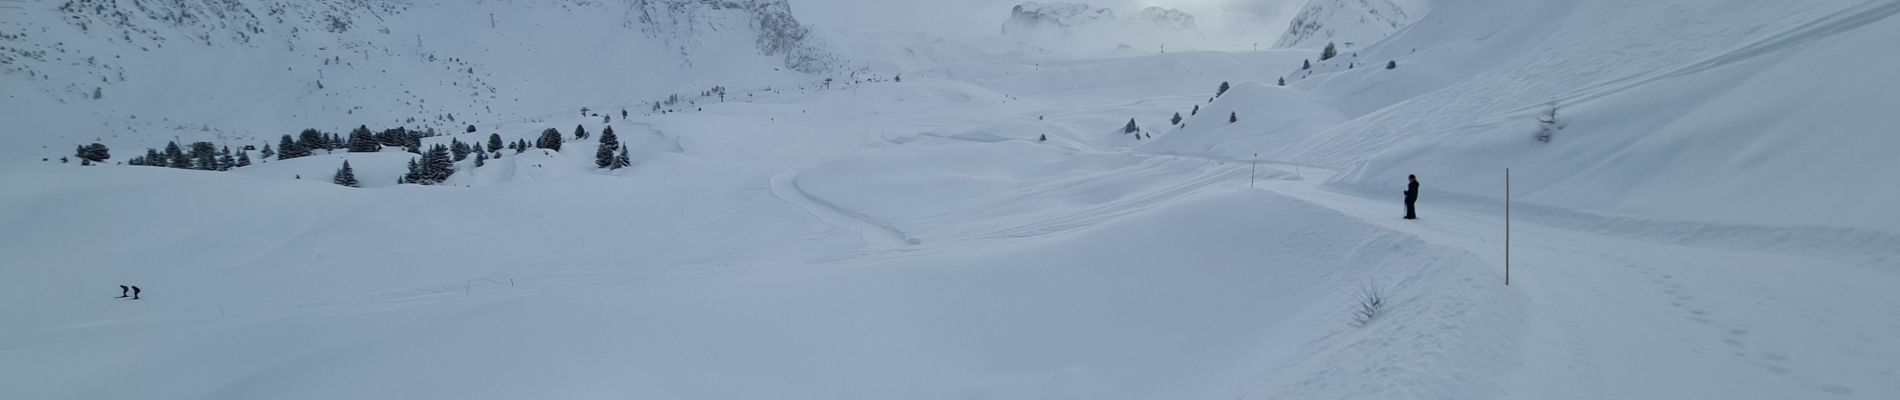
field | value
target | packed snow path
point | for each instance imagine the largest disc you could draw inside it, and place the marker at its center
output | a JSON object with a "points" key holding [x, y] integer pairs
{"points": [[1624, 317]]}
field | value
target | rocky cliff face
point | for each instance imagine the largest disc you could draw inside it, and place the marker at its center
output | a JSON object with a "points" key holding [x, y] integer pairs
{"points": [[1358, 22]]}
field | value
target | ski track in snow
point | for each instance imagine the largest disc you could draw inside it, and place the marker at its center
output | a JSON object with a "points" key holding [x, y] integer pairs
{"points": [[877, 234]]}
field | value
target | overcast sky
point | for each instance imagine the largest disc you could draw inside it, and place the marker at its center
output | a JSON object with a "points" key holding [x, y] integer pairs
{"points": [[1255, 20]]}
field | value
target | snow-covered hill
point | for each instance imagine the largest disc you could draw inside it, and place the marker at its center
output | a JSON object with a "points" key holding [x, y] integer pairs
{"points": [[1706, 223], [135, 74]]}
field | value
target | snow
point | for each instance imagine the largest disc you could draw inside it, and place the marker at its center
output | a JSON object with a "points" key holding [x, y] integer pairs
{"points": [[1707, 223]]}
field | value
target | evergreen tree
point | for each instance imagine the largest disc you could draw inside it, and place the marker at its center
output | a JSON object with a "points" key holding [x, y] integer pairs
{"points": [[267, 152], [363, 141], [622, 160], [1042, 137], [1282, 81], [311, 140], [1394, 64], [226, 162], [1306, 65], [550, 139], [580, 132], [244, 159], [175, 157], [287, 148], [1197, 110], [93, 152], [521, 146], [414, 175], [204, 156], [494, 141], [604, 157], [1177, 119], [1223, 89], [1131, 128], [437, 164], [459, 149], [346, 176], [481, 159], [1233, 117], [153, 158], [1329, 52]]}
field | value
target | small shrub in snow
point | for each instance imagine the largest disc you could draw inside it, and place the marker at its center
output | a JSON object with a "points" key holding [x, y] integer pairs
{"points": [[1233, 117], [1177, 119], [1329, 52], [1371, 303], [1306, 65], [1392, 64], [1223, 89], [1131, 128]]}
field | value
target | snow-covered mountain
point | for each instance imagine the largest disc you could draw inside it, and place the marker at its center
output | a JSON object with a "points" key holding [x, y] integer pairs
{"points": [[250, 70], [1349, 23], [1708, 216], [1081, 28]]}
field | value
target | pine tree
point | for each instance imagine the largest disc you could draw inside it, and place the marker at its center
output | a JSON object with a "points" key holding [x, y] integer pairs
{"points": [[1233, 117], [1306, 65], [1197, 110], [1177, 119], [550, 139], [580, 132], [226, 162], [152, 158], [244, 159], [1282, 81], [604, 157], [288, 149], [459, 149], [1329, 52], [622, 160], [1223, 89], [481, 159], [438, 165], [363, 141], [494, 141], [521, 146], [309, 141], [1394, 64], [346, 176], [175, 157], [1131, 128], [204, 156], [93, 152], [1042, 137], [267, 152]]}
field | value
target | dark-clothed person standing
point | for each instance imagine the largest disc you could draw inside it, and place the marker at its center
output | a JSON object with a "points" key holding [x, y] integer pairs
{"points": [[1411, 198]]}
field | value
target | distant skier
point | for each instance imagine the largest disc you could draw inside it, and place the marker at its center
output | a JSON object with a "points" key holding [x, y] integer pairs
{"points": [[123, 292], [1411, 198], [135, 292]]}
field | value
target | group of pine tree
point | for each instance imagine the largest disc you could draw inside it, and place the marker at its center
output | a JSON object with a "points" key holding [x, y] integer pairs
{"points": [[435, 164]]}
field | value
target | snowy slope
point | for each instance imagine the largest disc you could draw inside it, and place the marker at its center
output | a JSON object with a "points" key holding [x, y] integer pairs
{"points": [[245, 71], [1701, 227]]}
